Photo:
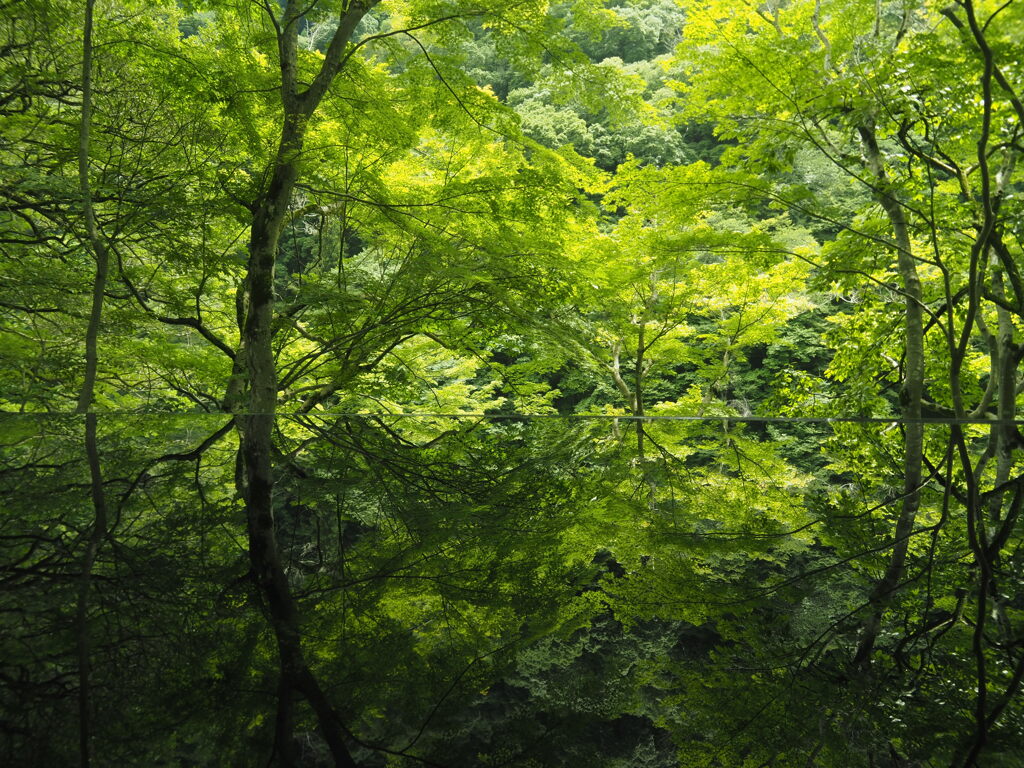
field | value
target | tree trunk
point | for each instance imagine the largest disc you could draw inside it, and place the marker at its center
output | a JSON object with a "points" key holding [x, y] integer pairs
{"points": [[99, 247], [638, 393], [96, 536], [256, 429], [85, 398], [256, 315], [913, 390]]}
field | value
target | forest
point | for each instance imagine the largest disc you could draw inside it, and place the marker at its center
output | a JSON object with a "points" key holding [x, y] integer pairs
{"points": [[528, 384]]}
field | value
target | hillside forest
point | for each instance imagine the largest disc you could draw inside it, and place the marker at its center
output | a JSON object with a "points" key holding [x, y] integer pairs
{"points": [[582, 384]]}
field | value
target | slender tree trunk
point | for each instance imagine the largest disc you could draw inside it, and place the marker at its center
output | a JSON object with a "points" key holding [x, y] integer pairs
{"points": [[96, 536], [256, 315], [913, 390], [1003, 433], [265, 235], [99, 247], [85, 398], [256, 429], [235, 394], [638, 392]]}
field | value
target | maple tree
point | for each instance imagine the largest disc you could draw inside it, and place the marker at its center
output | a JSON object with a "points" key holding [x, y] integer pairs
{"points": [[456, 381]]}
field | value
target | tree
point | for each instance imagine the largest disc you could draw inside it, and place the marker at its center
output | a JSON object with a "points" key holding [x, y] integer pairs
{"points": [[518, 478], [863, 87]]}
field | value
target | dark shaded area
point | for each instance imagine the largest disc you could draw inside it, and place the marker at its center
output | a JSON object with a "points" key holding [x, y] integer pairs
{"points": [[469, 594]]}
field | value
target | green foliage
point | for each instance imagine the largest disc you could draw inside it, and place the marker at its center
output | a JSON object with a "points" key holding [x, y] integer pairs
{"points": [[567, 263]]}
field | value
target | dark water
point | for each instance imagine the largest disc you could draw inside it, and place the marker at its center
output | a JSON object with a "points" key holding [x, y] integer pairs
{"points": [[493, 592]]}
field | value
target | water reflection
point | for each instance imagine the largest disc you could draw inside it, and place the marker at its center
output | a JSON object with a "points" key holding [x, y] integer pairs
{"points": [[481, 592]]}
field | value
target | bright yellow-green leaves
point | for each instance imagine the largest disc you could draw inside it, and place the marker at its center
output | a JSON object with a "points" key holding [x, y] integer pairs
{"points": [[684, 279]]}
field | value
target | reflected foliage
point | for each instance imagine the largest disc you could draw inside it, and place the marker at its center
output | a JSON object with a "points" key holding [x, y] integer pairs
{"points": [[474, 592]]}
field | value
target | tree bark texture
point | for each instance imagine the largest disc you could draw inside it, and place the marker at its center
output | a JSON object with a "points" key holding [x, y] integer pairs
{"points": [[98, 530], [256, 427], [913, 391], [97, 533], [99, 247]]}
